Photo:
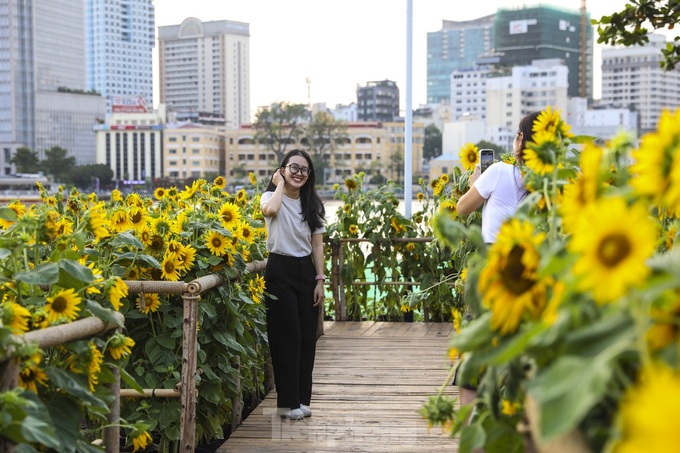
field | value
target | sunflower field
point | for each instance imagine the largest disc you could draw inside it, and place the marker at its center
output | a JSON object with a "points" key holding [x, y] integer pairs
{"points": [[571, 330], [68, 257]]}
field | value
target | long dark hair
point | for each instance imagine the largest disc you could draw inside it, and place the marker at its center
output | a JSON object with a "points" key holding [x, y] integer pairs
{"points": [[526, 125], [313, 210]]}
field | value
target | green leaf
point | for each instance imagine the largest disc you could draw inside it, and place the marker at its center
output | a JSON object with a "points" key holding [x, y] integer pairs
{"points": [[129, 380], [471, 438], [516, 345], [158, 355], [66, 415], [77, 271], [166, 341], [611, 335], [75, 385], [105, 314], [475, 335], [126, 238], [43, 274], [37, 426], [8, 214], [5, 253], [229, 341], [567, 390]]}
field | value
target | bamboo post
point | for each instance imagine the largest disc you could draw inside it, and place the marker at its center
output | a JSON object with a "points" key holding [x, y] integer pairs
{"points": [[112, 430], [188, 398], [340, 307], [237, 400]]}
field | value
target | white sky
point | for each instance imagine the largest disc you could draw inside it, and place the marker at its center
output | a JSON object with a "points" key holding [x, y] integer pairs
{"points": [[341, 44]]}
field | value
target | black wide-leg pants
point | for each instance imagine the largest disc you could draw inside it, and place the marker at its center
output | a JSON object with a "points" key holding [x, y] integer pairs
{"points": [[291, 326]]}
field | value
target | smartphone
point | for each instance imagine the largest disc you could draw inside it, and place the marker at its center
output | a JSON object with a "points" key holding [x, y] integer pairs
{"points": [[486, 158]]}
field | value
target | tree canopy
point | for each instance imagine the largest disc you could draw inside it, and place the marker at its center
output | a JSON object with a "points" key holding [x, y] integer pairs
{"points": [[280, 126], [26, 160], [630, 26], [432, 145]]}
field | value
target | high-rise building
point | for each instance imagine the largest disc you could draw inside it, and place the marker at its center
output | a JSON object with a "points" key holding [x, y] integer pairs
{"points": [[522, 35], [455, 47], [44, 101], [632, 78], [120, 37], [378, 101], [204, 67]]}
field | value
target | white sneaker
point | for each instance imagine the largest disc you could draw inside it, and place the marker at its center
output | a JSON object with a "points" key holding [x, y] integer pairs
{"points": [[290, 414], [306, 411]]}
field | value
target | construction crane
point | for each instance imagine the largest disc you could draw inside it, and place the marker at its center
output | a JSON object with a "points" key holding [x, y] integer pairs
{"points": [[582, 52]]}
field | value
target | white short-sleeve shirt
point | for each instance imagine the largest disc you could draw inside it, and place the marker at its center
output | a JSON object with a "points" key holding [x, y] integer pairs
{"points": [[287, 232], [501, 186]]}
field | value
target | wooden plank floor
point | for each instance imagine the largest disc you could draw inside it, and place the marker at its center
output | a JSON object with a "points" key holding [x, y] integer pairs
{"points": [[370, 381]]}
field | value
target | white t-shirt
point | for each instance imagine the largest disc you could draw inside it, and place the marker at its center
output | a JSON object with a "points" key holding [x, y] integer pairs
{"points": [[287, 233], [501, 186]]}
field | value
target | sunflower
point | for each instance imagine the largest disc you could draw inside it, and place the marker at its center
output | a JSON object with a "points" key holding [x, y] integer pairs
{"points": [[174, 248], [437, 187], [353, 230], [583, 189], [656, 168], [229, 215], [252, 178], [97, 274], [664, 329], [449, 206], [31, 374], [508, 158], [444, 178], [350, 184], [64, 226], [94, 366], [151, 303], [119, 346], [220, 182], [216, 243], [469, 156], [509, 282], [186, 257], [245, 232], [540, 156], [117, 291], [18, 208], [612, 242], [16, 316], [66, 303], [170, 268], [161, 225], [144, 235], [120, 220], [157, 245], [256, 287], [189, 192], [421, 196], [116, 195], [137, 218], [397, 225], [96, 223], [550, 122], [159, 193], [140, 441], [648, 415]]}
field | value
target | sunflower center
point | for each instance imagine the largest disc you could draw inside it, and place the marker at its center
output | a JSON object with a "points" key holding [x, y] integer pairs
{"points": [[613, 249], [169, 267], [216, 242], [59, 304], [137, 217], [512, 274], [472, 156]]}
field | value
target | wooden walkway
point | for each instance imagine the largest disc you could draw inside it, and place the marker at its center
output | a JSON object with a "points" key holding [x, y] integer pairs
{"points": [[370, 381]]}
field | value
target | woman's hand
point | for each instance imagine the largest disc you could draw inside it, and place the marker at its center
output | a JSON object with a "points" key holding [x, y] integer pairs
{"points": [[318, 293], [475, 174], [278, 177]]}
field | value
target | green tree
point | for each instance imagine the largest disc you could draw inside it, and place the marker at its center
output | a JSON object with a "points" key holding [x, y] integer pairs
{"points": [[323, 133], [432, 145], [26, 160], [85, 176], [280, 125], [630, 26], [57, 163], [483, 144]]}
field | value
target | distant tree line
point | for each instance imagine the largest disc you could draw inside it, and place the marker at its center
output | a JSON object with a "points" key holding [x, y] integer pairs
{"points": [[62, 168]]}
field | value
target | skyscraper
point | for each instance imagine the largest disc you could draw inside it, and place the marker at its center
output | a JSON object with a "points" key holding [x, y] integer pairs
{"points": [[633, 79], [120, 37], [378, 101], [455, 47], [205, 67], [44, 101], [522, 35]]}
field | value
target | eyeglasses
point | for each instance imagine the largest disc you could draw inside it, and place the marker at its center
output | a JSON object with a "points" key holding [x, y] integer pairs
{"points": [[295, 169], [519, 134]]}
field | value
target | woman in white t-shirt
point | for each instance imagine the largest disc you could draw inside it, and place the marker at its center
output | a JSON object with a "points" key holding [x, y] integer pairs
{"points": [[294, 278], [500, 187], [500, 190]]}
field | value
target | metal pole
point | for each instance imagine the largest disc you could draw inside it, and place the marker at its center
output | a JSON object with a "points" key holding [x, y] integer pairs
{"points": [[408, 132]]}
